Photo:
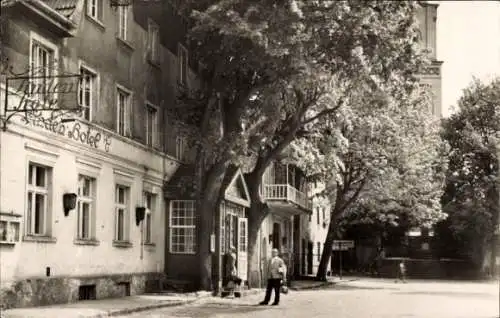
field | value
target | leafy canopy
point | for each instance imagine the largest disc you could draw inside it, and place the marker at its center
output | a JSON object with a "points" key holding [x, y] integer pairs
{"points": [[270, 68]]}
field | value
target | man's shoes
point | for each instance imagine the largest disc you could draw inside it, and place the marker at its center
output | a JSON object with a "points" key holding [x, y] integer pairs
{"points": [[263, 303], [275, 304]]}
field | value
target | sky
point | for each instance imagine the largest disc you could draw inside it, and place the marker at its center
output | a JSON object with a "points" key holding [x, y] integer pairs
{"points": [[468, 42]]}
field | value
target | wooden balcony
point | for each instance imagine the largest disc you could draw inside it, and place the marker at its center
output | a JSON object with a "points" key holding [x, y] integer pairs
{"points": [[286, 193]]}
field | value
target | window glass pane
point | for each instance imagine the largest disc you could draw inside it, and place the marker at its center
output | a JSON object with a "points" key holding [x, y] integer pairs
{"points": [[29, 212], [30, 174], [86, 187], [3, 231], [85, 220], [39, 213], [120, 225], [40, 177]]}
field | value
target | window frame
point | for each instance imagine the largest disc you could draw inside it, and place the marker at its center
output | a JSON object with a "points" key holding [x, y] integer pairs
{"points": [[183, 64], [53, 50], [149, 214], [33, 189], [192, 227], [120, 90], [91, 201], [153, 41], [152, 140], [125, 206], [317, 216], [94, 92], [122, 17], [98, 17]]}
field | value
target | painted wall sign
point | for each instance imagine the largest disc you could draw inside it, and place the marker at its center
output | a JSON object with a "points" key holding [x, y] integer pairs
{"points": [[88, 136]]}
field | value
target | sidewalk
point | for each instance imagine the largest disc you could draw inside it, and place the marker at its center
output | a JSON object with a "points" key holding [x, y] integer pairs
{"points": [[106, 307], [122, 306]]}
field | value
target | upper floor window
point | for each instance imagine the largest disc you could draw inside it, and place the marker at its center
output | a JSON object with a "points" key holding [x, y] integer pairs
{"points": [[94, 9], [43, 65], [151, 125], [153, 42], [38, 200], [122, 111], [123, 22], [317, 215], [87, 93], [182, 58]]}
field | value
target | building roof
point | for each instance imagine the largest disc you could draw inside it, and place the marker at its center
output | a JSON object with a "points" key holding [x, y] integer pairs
{"points": [[182, 184], [64, 7]]}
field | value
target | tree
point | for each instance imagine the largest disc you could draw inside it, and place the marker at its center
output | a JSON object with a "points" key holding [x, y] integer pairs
{"points": [[392, 170], [272, 67], [471, 193]]}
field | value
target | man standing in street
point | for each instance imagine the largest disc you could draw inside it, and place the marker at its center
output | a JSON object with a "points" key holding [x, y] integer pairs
{"points": [[276, 275]]}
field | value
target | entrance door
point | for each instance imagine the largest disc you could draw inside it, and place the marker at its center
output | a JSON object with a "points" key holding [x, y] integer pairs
{"points": [[310, 258], [277, 236], [242, 248]]}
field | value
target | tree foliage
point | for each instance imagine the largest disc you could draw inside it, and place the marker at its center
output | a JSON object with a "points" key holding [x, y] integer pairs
{"points": [[273, 70], [392, 170], [471, 194]]}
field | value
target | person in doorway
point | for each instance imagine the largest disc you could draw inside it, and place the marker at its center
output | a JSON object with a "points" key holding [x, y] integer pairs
{"points": [[402, 271], [276, 276], [233, 270]]}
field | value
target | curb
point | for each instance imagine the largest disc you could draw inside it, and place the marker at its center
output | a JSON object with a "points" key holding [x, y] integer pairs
{"points": [[122, 312], [323, 284], [198, 297]]}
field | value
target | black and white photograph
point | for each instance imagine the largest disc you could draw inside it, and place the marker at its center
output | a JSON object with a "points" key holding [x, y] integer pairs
{"points": [[249, 158]]}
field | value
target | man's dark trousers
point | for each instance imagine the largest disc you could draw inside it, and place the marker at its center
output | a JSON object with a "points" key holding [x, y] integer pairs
{"points": [[274, 283]]}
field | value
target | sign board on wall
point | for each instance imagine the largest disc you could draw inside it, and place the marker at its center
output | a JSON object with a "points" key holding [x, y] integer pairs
{"points": [[342, 245]]}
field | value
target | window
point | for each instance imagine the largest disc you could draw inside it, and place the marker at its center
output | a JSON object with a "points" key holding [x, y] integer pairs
{"points": [[180, 148], [150, 204], [153, 42], [122, 22], [182, 58], [42, 68], [324, 213], [38, 200], [182, 227], [122, 109], [151, 125], [94, 9], [319, 251], [317, 215], [87, 92], [121, 212], [85, 207]]}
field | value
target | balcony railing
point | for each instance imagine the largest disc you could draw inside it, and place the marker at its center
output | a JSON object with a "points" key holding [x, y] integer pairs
{"points": [[288, 193]]}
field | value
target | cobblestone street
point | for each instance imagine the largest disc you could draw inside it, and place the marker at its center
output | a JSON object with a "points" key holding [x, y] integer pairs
{"points": [[367, 298]]}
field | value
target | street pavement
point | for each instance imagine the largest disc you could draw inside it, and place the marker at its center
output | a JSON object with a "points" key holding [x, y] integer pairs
{"points": [[364, 298]]}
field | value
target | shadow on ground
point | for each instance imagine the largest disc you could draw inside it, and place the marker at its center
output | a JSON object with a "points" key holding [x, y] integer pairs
{"points": [[213, 309], [345, 287]]}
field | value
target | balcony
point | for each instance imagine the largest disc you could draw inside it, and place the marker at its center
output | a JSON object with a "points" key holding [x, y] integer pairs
{"points": [[286, 193]]}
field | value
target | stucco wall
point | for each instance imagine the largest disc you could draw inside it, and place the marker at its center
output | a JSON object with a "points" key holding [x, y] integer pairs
{"points": [[23, 143]]}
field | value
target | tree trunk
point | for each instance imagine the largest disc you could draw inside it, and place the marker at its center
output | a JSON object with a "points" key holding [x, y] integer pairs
{"points": [[206, 205], [257, 214], [326, 255]]}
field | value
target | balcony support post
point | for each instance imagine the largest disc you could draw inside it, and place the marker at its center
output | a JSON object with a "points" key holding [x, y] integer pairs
{"points": [[286, 188]]}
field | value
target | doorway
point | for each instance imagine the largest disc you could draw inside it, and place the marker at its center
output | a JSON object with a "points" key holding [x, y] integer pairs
{"points": [[310, 248], [277, 236]]}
